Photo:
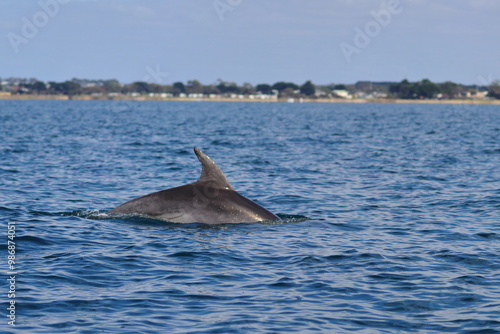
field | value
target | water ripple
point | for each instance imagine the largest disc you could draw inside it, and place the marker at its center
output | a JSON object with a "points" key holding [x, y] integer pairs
{"points": [[390, 217]]}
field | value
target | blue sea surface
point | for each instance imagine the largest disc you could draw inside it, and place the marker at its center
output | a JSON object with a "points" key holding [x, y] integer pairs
{"points": [[390, 218]]}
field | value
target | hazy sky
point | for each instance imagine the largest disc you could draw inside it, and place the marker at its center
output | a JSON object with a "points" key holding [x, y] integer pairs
{"points": [[256, 41]]}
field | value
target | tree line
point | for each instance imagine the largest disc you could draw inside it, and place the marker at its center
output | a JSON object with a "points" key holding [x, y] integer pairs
{"points": [[90, 87], [424, 89]]}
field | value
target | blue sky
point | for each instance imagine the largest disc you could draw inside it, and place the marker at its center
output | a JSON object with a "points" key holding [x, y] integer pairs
{"points": [[256, 41]]}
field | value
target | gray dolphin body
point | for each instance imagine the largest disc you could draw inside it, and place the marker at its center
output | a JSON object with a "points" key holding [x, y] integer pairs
{"points": [[210, 200]]}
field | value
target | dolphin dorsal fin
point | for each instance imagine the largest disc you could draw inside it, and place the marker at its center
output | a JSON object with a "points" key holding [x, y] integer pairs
{"points": [[211, 172]]}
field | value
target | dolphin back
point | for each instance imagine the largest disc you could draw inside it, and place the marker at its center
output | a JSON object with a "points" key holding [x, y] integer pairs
{"points": [[211, 200]]}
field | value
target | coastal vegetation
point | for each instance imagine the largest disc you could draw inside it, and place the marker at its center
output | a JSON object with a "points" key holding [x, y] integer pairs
{"points": [[424, 89]]}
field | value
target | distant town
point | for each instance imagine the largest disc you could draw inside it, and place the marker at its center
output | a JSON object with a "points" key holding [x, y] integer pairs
{"points": [[280, 91]]}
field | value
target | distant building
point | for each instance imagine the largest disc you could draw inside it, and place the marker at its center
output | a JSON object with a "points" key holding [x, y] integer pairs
{"points": [[320, 93], [476, 95], [372, 86], [342, 93]]}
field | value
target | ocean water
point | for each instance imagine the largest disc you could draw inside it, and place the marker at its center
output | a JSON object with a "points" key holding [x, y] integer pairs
{"points": [[390, 218]]}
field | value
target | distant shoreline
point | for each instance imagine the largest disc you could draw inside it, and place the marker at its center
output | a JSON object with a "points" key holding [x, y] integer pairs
{"points": [[222, 99]]}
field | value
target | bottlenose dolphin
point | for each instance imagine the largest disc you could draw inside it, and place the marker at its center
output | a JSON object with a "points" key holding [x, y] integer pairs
{"points": [[210, 200]]}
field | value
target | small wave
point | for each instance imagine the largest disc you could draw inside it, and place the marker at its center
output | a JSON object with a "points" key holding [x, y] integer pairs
{"points": [[6, 209], [467, 259], [487, 235], [43, 213], [285, 219], [89, 214], [472, 279], [34, 240], [144, 219]]}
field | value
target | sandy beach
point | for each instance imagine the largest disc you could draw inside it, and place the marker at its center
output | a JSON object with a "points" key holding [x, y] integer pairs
{"points": [[225, 99]]}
